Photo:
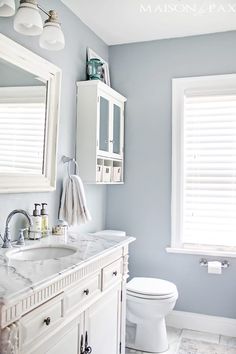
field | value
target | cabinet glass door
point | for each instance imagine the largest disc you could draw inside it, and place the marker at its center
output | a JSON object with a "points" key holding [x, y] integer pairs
{"points": [[116, 129], [104, 125]]}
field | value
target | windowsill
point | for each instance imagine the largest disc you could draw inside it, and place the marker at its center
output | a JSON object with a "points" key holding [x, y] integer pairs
{"points": [[202, 252]]}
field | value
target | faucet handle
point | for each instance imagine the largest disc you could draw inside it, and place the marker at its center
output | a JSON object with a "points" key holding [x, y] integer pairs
{"points": [[21, 239], [7, 238]]}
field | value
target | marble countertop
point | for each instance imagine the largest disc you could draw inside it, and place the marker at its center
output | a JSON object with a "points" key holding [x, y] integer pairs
{"points": [[18, 278]]}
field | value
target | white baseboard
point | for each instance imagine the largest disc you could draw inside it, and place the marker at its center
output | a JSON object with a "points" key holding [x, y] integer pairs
{"points": [[197, 322]]}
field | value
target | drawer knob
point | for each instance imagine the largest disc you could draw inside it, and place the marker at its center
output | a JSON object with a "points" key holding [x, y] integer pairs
{"points": [[115, 273], [47, 321], [86, 291]]}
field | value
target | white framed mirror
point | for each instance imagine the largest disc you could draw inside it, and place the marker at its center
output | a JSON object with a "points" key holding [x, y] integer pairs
{"points": [[30, 89]]}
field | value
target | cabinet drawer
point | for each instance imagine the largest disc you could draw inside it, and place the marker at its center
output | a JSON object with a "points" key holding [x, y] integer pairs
{"points": [[111, 274], [41, 321], [86, 289]]}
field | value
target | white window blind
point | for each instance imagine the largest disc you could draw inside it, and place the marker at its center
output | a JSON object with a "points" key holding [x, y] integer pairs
{"points": [[209, 168], [22, 130]]}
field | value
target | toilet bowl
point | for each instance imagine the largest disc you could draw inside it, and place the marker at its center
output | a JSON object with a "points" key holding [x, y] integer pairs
{"points": [[149, 300]]}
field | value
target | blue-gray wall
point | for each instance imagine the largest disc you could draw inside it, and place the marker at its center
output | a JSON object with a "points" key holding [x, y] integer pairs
{"points": [[72, 61], [143, 73]]}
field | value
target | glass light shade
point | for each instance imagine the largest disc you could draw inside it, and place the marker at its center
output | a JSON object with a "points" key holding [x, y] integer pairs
{"points": [[52, 37], [7, 8], [28, 20]]}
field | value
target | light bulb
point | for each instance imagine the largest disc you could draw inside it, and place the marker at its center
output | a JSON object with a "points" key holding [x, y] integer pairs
{"points": [[52, 37], [53, 41], [7, 8], [28, 20], [28, 25]]}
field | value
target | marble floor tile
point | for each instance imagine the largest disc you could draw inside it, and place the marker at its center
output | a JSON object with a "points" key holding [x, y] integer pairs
{"points": [[205, 343], [193, 346], [201, 336], [173, 334], [131, 351], [228, 341]]}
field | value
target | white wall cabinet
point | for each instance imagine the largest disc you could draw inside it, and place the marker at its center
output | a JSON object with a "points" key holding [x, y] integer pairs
{"points": [[100, 132]]}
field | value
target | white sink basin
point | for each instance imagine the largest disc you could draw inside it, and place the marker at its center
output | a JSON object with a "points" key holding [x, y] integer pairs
{"points": [[40, 253]]}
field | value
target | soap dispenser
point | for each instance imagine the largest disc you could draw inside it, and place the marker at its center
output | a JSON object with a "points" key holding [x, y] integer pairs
{"points": [[35, 230], [44, 215]]}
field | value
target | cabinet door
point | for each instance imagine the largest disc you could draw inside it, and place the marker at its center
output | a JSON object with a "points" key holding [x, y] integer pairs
{"points": [[117, 127], [104, 117], [69, 343], [66, 341], [102, 323]]}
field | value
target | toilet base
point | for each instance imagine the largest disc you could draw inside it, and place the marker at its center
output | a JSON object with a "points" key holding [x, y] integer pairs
{"points": [[151, 336]]}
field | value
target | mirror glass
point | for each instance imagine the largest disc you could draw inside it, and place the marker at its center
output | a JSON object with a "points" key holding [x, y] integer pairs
{"points": [[23, 121]]}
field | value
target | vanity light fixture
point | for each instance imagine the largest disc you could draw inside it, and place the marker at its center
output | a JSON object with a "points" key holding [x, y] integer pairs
{"points": [[28, 21], [52, 37], [7, 8]]}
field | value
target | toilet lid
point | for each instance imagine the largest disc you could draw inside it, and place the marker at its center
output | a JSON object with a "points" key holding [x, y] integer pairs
{"points": [[151, 287]]}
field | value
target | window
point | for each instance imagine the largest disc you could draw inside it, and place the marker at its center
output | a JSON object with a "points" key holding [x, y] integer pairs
{"points": [[204, 163]]}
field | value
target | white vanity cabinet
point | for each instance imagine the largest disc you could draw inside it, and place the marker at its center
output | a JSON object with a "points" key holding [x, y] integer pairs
{"points": [[102, 323], [97, 328], [100, 132], [81, 312]]}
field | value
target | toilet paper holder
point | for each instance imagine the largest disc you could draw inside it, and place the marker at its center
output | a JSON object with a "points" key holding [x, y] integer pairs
{"points": [[204, 263]]}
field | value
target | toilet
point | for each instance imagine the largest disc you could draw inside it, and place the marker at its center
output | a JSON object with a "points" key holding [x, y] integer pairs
{"points": [[149, 300]]}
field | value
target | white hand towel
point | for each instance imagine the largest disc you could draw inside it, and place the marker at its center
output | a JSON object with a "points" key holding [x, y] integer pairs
{"points": [[73, 208]]}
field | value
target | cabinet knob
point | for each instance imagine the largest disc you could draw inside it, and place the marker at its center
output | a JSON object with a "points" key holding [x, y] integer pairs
{"points": [[88, 350], [115, 273], [86, 291], [47, 321]]}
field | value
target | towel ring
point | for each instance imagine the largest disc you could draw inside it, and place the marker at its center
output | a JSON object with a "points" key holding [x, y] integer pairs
{"points": [[68, 160]]}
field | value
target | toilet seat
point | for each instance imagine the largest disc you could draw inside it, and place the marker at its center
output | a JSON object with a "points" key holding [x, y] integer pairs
{"points": [[151, 289], [151, 298]]}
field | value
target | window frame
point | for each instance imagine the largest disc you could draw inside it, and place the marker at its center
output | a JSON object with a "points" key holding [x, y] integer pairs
{"points": [[210, 83]]}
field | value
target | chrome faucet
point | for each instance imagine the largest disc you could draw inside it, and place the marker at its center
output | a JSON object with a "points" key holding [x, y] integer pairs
{"points": [[7, 236]]}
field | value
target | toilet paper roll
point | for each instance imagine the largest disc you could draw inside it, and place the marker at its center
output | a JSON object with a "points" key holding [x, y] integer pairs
{"points": [[214, 267]]}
